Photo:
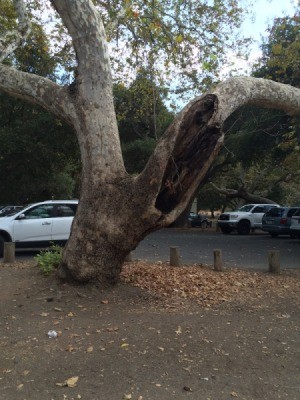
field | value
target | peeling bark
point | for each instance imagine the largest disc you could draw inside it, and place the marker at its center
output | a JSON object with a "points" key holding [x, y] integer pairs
{"points": [[117, 211]]}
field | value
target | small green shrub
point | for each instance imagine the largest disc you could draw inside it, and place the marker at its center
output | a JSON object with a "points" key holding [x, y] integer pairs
{"points": [[48, 260]]}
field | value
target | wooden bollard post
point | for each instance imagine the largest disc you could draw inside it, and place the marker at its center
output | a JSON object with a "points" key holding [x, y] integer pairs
{"points": [[174, 257], [128, 258], [9, 252], [218, 266], [274, 261]]}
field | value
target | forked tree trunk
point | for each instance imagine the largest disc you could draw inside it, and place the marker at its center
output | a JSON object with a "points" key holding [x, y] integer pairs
{"points": [[117, 211], [106, 228]]}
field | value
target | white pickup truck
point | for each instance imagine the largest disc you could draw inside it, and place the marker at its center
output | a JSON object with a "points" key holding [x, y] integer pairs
{"points": [[245, 219]]}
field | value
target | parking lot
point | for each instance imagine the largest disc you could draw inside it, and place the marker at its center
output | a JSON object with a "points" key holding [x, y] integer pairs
{"points": [[196, 246]]}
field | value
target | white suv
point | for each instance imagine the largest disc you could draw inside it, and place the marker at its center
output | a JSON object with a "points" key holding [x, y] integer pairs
{"points": [[39, 224], [245, 219]]}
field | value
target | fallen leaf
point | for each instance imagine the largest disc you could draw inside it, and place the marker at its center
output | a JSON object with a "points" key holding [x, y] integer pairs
{"points": [[72, 382], [112, 328], [70, 348], [178, 330], [44, 314], [127, 396], [71, 314], [104, 301], [233, 394], [90, 349]]}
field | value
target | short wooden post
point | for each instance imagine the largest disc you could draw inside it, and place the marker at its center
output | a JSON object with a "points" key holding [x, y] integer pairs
{"points": [[9, 252], [174, 257], [274, 261], [128, 258], [218, 266]]}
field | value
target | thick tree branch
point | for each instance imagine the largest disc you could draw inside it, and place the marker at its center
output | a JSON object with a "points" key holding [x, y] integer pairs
{"points": [[29, 87], [242, 193], [237, 92], [85, 26], [36, 90], [186, 151]]}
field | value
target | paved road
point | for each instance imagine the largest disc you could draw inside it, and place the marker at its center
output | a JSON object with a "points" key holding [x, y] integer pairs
{"points": [[197, 246]]}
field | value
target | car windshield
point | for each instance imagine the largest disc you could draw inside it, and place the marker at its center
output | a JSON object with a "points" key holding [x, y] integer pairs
{"points": [[246, 208]]}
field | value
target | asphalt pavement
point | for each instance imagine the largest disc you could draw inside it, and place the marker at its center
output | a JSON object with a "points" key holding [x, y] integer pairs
{"points": [[197, 246]]}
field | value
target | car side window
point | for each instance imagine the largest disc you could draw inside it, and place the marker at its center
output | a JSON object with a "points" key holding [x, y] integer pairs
{"points": [[65, 210], [292, 212], [258, 209], [42, 211], [297, 213]]}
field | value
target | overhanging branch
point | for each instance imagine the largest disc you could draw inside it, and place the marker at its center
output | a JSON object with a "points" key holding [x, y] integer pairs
{"points": [[186, 151], [242, 193], [36, 90]]}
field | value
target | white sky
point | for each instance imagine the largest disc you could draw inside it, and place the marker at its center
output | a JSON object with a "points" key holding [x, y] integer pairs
{"points": [[265, 12]]}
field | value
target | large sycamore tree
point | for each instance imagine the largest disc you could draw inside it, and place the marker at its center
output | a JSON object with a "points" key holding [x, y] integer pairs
{"points": [[117, 210]]}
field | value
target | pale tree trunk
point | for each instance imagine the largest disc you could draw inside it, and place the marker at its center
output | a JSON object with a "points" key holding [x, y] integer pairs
{"points": [[116, 211]]}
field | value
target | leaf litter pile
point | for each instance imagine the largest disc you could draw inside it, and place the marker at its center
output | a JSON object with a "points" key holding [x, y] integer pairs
{"points": [[207, 287]]}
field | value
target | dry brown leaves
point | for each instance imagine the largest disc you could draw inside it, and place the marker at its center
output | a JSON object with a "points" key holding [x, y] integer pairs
{"points": [[203, 285], [207, 287]]}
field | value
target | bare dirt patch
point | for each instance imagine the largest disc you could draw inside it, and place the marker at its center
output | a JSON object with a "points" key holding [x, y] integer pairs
{"points": [[163, 333]]}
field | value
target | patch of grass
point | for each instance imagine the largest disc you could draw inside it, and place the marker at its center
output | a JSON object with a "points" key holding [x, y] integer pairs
{"points": [[48, 260]]}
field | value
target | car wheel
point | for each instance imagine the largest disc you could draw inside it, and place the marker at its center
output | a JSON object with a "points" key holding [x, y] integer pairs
{"points": [[2, 240], [204, 224], [274, 234], [226, 230], [243, 228]]}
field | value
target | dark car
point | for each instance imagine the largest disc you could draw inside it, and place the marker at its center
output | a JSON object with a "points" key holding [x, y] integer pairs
{"points": [[277, 221], [198, 220]]}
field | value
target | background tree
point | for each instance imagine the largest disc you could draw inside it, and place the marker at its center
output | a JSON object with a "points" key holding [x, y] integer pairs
{"points": [[117, 210], [261, 151], [39, 156], [32, 137], [142, 118]]}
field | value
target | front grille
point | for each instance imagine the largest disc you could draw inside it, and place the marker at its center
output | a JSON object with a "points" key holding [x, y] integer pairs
{"points": [[224, 217]]}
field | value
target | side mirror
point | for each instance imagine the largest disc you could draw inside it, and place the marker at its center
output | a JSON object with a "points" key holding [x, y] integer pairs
{"points": [[21, 216]]}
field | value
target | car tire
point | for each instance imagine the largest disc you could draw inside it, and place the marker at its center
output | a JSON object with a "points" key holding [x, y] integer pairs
{"points": [[2, 241], [226, 230], [274, 235], [204, 224], [243, 228]]}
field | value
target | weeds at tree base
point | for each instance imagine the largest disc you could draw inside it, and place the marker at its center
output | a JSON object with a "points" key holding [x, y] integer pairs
{"points": [[48, 260]]}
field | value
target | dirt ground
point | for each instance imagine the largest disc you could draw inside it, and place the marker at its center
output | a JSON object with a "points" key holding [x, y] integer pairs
{"points": [[163, 333]]}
